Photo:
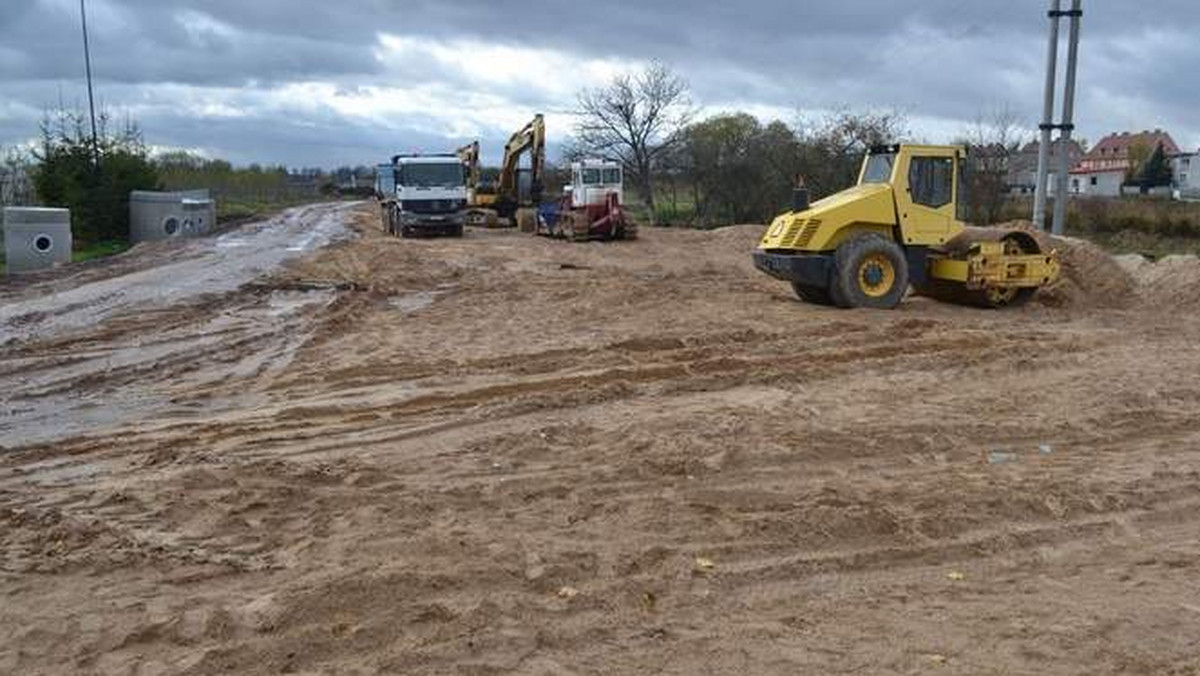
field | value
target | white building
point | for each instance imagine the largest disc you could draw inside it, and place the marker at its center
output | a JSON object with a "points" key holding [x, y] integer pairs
{"points": [[1185, 167], [1097, 182], [1103, 169]]}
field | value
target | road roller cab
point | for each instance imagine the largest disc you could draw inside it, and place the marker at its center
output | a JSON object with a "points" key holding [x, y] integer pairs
{"points": [[901, 225]]}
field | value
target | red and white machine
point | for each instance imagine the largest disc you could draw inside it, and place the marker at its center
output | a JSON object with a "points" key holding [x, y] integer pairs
{"points": [[591, 207]]}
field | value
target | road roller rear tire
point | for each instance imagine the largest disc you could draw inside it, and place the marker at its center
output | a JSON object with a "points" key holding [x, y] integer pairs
{"points": [[870, 271]]}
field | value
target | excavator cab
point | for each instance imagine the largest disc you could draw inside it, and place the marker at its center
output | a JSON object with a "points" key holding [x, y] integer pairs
{"points": [[902, 225]]}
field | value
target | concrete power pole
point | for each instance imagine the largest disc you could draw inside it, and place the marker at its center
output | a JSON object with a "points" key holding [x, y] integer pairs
{"points": [[87, 60], [1062, 191], [1066, 126]]}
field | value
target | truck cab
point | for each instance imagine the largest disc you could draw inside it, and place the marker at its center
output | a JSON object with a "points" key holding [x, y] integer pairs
{"points": [[592, 181], [430, 195]]}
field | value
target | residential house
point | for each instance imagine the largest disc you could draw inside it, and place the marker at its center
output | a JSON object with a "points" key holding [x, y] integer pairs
{"points": [[1185, 167], [1103, 170], [1022, 171]]}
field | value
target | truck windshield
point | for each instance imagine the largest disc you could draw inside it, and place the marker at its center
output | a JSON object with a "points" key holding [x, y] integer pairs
{"points": [[879, 168], [448, 175]]}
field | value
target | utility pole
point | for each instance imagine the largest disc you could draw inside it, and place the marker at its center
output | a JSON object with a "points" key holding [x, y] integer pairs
{"points": [[1062, 192], [1066, 126], [87, 60], [1047, 125]]}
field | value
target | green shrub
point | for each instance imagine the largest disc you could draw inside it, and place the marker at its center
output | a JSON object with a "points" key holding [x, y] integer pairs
{"points": [[94, 182]]}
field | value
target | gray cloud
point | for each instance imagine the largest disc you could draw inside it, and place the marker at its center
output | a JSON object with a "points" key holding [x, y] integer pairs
{"points": [[946, 60]]}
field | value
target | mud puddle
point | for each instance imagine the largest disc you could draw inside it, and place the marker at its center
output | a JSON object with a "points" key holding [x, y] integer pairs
{"points": [[210, 265], [166, 343]]}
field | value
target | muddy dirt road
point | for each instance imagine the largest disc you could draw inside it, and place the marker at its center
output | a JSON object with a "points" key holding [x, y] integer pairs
{"points": [[504, 454]]}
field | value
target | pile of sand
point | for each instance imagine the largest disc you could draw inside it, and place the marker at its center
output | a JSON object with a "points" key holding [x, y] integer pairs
{"points": [[1170, 283], [1091, 277]]}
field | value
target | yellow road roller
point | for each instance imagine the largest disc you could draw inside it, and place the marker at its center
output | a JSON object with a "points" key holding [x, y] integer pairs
{"points": [[902, 225]]}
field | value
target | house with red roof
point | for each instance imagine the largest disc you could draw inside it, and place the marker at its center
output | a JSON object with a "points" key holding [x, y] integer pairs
{"points": [[1103, 170]]}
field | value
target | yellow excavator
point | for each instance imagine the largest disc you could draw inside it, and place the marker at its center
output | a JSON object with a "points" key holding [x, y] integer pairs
{"points": [[903, 224], [480, 198], [504, 203]]}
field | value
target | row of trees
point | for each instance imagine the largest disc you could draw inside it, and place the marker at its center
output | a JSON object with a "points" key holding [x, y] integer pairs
{"points": [[733, 168], [254, 184], [729, 167], [94, 178], [739, 170]]}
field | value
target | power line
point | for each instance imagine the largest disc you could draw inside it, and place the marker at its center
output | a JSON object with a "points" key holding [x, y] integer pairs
{"points": [[87, 60]]}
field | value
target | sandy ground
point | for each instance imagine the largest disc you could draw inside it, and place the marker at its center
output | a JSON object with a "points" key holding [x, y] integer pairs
{"points": [[504, 454]]}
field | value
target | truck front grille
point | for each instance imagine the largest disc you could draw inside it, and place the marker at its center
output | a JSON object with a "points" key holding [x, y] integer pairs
{"points": [[431, 206]]}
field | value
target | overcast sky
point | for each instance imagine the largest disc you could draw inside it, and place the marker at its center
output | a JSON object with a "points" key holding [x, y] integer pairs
{"points": [[321, 83]]}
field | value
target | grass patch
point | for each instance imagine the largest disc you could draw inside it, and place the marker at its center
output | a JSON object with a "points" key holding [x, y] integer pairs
{"points": [[1152, 227], [233, 211], [105, 249]]}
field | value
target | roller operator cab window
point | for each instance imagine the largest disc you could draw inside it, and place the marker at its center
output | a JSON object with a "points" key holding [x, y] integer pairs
{"points": [[612, 176], [591, 177], [931, 180], [879, 168], [448, 175]]}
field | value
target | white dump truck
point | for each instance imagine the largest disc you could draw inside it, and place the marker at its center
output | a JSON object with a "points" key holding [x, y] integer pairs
{"points": [[428, 195]]}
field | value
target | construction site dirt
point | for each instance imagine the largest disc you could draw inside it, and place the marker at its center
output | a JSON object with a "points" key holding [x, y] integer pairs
{"points": [[508, 454]]}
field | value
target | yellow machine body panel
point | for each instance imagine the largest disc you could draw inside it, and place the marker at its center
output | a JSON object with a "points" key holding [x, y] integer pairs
{"points": [[882, 202], [828, 222], [930, 219]]}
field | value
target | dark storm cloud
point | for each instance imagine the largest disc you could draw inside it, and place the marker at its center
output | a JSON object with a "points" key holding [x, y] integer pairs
{"points": [[196, 43], [945, 60]]}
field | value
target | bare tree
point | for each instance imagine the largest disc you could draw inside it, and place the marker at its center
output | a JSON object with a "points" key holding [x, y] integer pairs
{"points": [[16, 186], [635, 119], [994, 141], [833, 145]]}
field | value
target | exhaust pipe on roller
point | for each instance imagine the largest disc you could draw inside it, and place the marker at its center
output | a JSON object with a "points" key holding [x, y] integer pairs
{"points": [[800, 196]]}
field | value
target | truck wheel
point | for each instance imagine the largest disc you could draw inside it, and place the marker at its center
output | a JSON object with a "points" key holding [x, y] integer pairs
{"points": [[869, 271], [457, 231], [812, 294]]}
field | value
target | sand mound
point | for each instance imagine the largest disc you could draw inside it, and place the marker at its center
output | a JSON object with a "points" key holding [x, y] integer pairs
{"points": [[1173, 282], [744, 237], [1091, 277]]}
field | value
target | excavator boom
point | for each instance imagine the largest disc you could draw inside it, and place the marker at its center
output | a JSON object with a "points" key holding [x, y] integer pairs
{"points": [[532, 139]]}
